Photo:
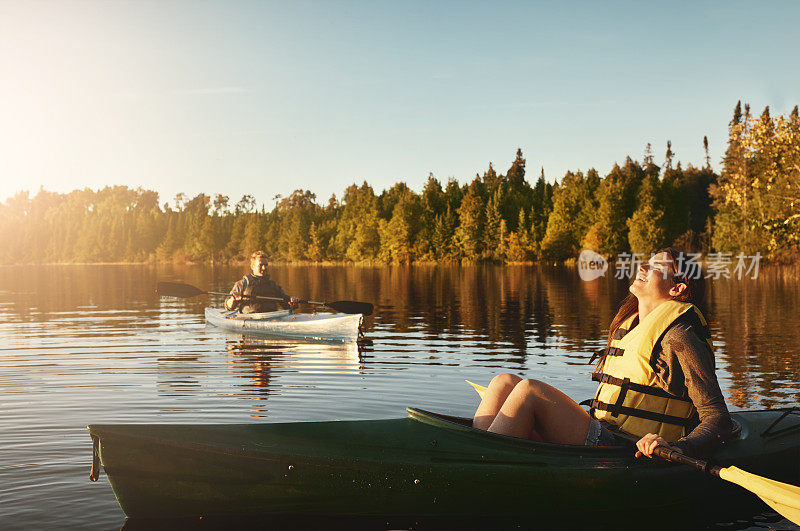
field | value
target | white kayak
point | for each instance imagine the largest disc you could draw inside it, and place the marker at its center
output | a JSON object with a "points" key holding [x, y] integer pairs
{"points": [[326, 326]]}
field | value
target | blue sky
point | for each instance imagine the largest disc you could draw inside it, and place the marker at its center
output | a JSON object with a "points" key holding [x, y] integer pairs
{"points": [[267, 97]]}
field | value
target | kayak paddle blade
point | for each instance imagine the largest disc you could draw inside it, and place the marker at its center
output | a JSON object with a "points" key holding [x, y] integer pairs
{"points": [[481, 390], [351, 307], [782, 497], [177, 289]]}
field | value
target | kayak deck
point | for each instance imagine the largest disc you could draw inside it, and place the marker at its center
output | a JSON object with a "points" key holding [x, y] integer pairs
{"points": [[285, 323], [421, 466]]}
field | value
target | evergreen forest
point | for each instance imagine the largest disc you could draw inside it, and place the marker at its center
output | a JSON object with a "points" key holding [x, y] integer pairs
{"points": [[752, 205]]}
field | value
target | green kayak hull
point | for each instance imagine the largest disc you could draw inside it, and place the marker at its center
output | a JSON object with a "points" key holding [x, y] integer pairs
{"points": [[426, 465]]}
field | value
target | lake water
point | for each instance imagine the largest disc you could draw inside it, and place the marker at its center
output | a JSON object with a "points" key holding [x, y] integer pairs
{"points": [[95, 344]]}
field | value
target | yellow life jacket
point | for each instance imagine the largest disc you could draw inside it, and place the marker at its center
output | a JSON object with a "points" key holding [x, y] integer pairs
{"points": [[629, 394]]}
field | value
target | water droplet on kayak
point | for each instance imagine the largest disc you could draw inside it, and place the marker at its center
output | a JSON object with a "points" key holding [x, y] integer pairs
{"points": [[291, 467], [416, 482]]}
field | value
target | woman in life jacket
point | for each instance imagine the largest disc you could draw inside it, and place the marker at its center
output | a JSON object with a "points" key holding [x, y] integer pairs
{"points": [[258, 284], [656, 377]]}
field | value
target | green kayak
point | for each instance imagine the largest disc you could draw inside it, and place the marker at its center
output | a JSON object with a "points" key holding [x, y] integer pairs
{"points": [[426, 465]]}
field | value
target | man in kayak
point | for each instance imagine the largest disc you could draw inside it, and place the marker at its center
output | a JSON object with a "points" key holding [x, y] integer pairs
{"points": [[258, 284], [656, 374]]}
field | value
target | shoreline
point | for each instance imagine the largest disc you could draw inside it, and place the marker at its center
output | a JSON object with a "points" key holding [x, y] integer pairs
{"points": [[368, 263]]}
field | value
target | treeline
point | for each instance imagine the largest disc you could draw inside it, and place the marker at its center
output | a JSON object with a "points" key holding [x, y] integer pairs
{"points": [[753, 205]]}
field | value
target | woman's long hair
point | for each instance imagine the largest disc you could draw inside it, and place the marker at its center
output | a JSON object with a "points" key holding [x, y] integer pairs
{"points": [[695, 291]]}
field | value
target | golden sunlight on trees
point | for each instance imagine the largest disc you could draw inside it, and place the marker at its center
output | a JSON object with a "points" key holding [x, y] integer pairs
{"points": [[752, 206], [757, 195]]}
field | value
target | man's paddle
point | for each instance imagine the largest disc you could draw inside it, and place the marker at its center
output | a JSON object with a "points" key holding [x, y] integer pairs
{"points": [[186, 291], [782, 497]]}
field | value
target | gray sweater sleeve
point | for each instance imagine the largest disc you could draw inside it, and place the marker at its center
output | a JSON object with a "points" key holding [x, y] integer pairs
{"points": [[685, 366]]}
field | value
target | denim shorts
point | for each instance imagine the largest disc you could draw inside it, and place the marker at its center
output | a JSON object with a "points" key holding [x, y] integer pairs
{"points": [[600, 435]]}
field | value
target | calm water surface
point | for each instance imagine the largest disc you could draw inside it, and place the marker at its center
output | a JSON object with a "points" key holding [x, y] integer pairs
{"points": [[94, 344]]}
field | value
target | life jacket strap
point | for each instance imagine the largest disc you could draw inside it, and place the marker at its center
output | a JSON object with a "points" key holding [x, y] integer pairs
{"points": [[626, 384], [616, 409], [619, 333], [608, 351]]}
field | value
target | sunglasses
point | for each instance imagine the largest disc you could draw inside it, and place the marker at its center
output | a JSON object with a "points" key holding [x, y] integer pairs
{"points": [[661, 268], [647, 267]]}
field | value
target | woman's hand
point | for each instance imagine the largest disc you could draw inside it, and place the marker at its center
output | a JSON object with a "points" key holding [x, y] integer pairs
{"points": [[648, 443]]}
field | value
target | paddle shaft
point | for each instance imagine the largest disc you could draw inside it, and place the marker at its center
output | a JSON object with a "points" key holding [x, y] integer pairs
{"points": [[256, 297], [677, 457], [185, 291], [303, 301]]}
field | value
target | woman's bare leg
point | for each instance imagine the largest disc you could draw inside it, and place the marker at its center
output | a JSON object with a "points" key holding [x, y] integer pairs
{"points": [[535, 410], [493, 399]]}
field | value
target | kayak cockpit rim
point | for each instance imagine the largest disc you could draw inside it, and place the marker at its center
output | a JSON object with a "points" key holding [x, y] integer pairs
{"points": [[464, 425], [235, 314]]}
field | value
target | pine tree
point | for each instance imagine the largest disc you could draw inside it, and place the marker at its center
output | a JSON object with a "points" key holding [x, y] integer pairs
{"points": [[668, 156], [444, 236], [211, 240], [453, 193], [645, 227], [737, 113], [516, 251], [501, 251], [221, 204], [516, 173], [365, 246], [472, 220], [517, 192], [315, 250], [492, 234], [541, 207], [730, 195], [356, 236], [432, 203], [397, 236], [245, 205], [616, 202], [568, 222], [523, 232], [650, 167], [254, 233], [490, 181], [648, 154]]}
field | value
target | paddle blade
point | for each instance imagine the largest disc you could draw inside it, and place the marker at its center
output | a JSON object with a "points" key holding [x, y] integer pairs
{"points": [[782, 497], [351, 307], [176, 289], [481, 390]]}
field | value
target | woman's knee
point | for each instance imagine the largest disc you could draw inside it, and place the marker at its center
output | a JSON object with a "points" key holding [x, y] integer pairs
{"points": [[530, 387], [504, 381]]}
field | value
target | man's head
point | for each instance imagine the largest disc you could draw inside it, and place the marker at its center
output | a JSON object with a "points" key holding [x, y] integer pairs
{"points": [[258, 263]]}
